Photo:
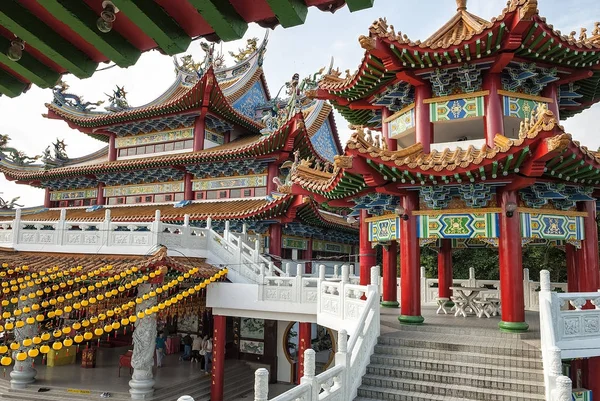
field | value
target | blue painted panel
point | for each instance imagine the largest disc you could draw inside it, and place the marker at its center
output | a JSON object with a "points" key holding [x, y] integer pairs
{"points": [[250, 100], [324, 143]]}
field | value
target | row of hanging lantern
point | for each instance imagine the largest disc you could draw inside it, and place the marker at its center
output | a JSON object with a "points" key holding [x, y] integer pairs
{"points": [[96, 326]]}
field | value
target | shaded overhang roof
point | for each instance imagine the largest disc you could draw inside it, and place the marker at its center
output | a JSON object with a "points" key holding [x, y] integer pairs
{"points": [[61, 36]]}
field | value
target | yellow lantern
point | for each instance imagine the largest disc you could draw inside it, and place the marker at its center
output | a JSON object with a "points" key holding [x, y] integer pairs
{"points": [[51, 314], [31, 295], [62, 285], [179, 297], [161, 306], [57, 345], [5, 315], [45, 336], [124, 321], [37, 340], [39, 318], [21, 356], [98, 331], [45, 304], [17, 312], [141, 315], [87, 336], [108, 294], [108, 328], [66, 330], [6, 360], [57, 333], [99, 297], [92, 300], [3, 349], [67, 342], [78, 338], [19, 324], [186, 275], [5, 302], [76, 293], [139, 300], [94, 320], [128, 286], [52, 301], [60, 299], [186, 294], [116, 325], [117, 310], [84, 302], [168, 302], [14, 346], [58, 312], [148, 311], [133, 318], [33, 352], [192, 291], [180, 279], [27, 342], [102, 316], [98, 285], [9, 326], [44, 349], [76, 326], [76, 306], [35, 307], [159, 290], [68, 309]]}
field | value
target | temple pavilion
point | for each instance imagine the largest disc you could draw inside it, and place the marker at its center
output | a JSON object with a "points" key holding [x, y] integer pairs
{"points": [[209, 153], [471, 153]]}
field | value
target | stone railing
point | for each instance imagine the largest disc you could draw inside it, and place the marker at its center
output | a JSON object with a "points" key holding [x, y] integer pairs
{"points": [[566, 333], [429, 288], [340, 382]]}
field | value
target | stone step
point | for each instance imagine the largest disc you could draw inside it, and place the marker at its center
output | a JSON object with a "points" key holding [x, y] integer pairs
{"points": [[397, 354], [450, 343], [231, 373], [379, 361], [396, 378], [460, 331], [426, 391]]}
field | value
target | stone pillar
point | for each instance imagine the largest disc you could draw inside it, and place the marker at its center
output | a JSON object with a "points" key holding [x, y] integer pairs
{"points": [[551, 91], [23, 372], [304, 337], [390, 276], [587, 274], [385, 133], [424, 130], [100, 200], [218, 363], [445, 268], [272, 172], [47, 201], [511, 266], [188, 193], [572, 272], [112, 148], [275, 245], [261, 385], [141, 385], [199, 126], [494, 119], [368, 256], [308, 254], [410, 258]]}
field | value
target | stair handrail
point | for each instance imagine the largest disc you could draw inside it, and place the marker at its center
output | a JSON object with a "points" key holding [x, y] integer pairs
{"points": [[557, 386], [341, 381]]}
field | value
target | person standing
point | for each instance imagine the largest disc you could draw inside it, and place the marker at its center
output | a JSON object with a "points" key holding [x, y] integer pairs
{"points": [[208, 350], [187, 347], [161, 349], [196, 347]]}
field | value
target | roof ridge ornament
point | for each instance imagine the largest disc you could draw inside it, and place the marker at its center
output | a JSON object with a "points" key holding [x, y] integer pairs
{"points": [[118, 100], [14, 155], [63, 98], [461, 5], [244, 53]]}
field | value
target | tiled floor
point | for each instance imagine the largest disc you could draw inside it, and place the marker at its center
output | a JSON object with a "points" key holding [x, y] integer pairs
{"points": [[105, 376]]}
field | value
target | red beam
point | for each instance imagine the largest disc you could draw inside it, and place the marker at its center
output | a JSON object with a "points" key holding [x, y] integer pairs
{"points": [[501, 62], [363, 105], [411, 78], [382, 51], [575, 76], [371, 176]]}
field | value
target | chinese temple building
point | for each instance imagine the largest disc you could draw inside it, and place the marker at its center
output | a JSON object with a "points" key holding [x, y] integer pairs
{"points": [[206, 157]]}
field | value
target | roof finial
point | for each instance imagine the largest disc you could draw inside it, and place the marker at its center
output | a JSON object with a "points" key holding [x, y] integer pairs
{"points": [[461, 5]]}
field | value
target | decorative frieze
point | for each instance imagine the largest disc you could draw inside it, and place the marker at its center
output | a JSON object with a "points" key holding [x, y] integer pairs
{"points": [[248, 181], [214, 136], [294, 243], [552, 226], [156, 137], [85, 193], [325, 246], [157, 188], [458, 108], [458, 225], [384, 229], [402, 121]]}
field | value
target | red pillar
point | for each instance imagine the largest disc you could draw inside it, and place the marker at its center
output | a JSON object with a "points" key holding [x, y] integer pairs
{"points": [[410, 257], [572, 279], [199, 129], [188, 194], [511, 267], [47, 201], [112, 149], [218, 362], [391, 143], [272, 172], [445, 268], [304, 334], [308, 255], [100, 200], [551, 91], [368, 257], [494, 119], [588, 254], [390, 276], [275, 239], [424, 130]]}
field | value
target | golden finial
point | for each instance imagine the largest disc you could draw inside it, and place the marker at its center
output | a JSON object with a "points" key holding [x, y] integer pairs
{"points": [[461, 5]]}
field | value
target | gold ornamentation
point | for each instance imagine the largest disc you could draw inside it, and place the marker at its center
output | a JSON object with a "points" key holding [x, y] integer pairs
{"points": [[251, 47], [559, 142], [367, 42], [529, 9], [340, 162]]}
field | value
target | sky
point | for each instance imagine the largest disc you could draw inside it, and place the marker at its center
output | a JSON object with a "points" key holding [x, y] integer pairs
{"points": [[303, 49]]}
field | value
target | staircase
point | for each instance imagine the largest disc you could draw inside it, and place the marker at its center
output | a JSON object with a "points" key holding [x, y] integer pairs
{"points": [[239, 382], [418, 363]]}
